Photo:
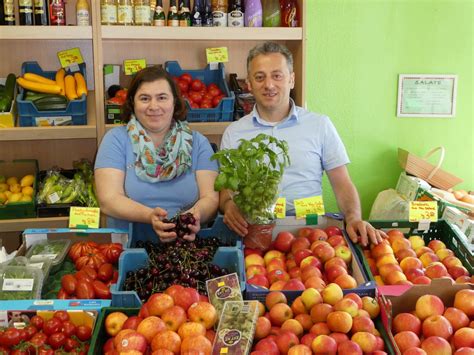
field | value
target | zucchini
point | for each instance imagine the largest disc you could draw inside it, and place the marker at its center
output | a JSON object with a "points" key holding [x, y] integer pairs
{"points": [[5, 104], [10, 85], [51, 103]]}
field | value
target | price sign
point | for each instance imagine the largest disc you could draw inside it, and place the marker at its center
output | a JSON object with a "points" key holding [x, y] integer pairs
{"points": [[84, 217], [70, 56], [217, 55], [423, 211], [309, 205], [280, 208], [132, 66]]}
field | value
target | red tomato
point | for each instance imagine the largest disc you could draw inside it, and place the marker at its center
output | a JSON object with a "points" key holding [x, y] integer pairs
{"points": [[186, 77], [175, 79], [83, 332], [115, 276], [111, 251], [105, 272], [85, 290], [90, 271], [38, 339], [51, 326], [82, 276], [30, 330], [109, 345], [71, 344], [183, 86], [23, 335], [11, 337], [115, 101], [69, 329], [45, 351], [69, 284], [216, 100], [101, 290], [62, 295], [61, 315], [19, 352], [194, 105], [207, 97], [37, 321], [206, 104], [214, 91], [82, 248], [195, 96], [121, 94], [94, 260], [57, 340], [212, 85], [196, 85]]}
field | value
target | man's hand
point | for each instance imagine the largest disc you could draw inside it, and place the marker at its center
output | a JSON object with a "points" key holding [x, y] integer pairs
{"points": [[234, 220], [362, 231], [160, 228]]}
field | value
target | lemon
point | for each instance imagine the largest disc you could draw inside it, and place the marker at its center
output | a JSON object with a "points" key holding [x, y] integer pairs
{"points": [[4, 187], [27, 190], [12, 180], [15, 197], [8, 193], [15, 188], [27, 180], [26, 198], [3, 197]]}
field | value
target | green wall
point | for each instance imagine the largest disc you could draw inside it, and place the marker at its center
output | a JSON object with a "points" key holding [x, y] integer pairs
{"points": [[355, 51]]}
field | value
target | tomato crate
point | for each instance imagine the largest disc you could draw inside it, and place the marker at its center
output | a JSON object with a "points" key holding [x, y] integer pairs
{"points": [[29, 115], [224, 112], [18, 168], [100, 336], [230, 258], [364, 287], [440, 230]]}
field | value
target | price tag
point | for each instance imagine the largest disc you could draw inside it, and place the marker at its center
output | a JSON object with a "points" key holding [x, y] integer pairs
{"points": [[84, 217], [217, 55], [280, 208], [70, 56], [423, 211], [132, 66], [309, 205]]}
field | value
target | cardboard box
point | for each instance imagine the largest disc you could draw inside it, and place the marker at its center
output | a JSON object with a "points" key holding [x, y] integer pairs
{"points": [[428, 195], [7, 119], [411, 187], [456, 217]]}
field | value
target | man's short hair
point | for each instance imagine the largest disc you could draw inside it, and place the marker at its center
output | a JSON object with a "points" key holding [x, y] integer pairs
{"points": [[268, 48]]}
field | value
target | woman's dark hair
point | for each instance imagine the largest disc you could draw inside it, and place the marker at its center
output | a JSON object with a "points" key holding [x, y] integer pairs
{"points": [[149, 75]]}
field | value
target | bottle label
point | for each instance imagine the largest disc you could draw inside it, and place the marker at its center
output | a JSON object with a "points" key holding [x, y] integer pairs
{"points": [[272, 20], [82, 17], [255, 20], [125, 14], [219, 18], [289, 19], [57, 14], [9, 9], [235, 19], [39, 3], [25, 3], [108, 14], [142, 14]]}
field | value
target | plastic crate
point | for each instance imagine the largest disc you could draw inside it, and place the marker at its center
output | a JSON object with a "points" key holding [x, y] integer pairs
{"points": [[28, 114], [440, 230], [100, 336], [224, 112], [132, 259]]}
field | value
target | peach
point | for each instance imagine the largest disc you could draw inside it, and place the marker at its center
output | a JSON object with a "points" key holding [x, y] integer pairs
{"points": [[436, 346], [406, 340], [362, 324], [347, 305], [429, 305], [320, 311], [451, 261], [299, 349], [346, 282], [411, 263], [279, 313], [464, 300], [395, 277], [381, 249], [464, 337], [339, 321], [371, 305], [437, 326], [324, 344], [339, 337], [412, 274], [274, 297], [254, 259], [456, 317], [305, 321], [457, 271], [366, 341], [428, 258], [422, 250], [319, 329], [406, 322], [293, 326], [355, 297], [436, 270], [421, 280], [436, 245], [310, 297], [399, 244], [416, 241], [385, 259], [349, 347], [332, 293], [405, 253], [444, 253]]}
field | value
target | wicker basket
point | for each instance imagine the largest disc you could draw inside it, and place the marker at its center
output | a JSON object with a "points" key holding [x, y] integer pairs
{"points": [[420, 167]]}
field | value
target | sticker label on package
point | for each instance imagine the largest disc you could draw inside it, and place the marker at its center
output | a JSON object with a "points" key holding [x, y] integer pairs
{"points": [[423, 211], [18, 284], [44, 256], [53, 198], [53, 121], [36, 265]]}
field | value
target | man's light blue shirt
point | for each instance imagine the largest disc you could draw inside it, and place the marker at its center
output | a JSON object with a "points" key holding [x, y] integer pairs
{"points": [[314, 146]]}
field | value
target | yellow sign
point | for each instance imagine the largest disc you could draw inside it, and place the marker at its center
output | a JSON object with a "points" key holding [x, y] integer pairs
{"points": [[423, 211], [84, 217], [280, 208], [217, 55], [132, 66], [70, 56], [309, 205]]}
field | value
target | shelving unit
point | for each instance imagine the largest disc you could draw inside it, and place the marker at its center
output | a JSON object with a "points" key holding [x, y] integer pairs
{"points": [[99, 45]]}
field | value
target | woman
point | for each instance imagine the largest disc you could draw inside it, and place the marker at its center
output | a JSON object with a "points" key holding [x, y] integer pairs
{"points": [[155, 166]]}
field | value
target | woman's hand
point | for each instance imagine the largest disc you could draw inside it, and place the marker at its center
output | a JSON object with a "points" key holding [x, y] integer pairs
{"points": [[194, 228], [161, 228]]}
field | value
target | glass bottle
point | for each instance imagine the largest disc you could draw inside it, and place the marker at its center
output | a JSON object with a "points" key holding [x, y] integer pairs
{"points": [[142, 12], [219, 12], [196, 16], [108, 12], [82, 13], [125, 12], [173, 17], [236, 14], [25, 12], [57, 13], [159, 18], [40, 11], [271, 13], [253, 13], [184, 14], [289, 13], [2, 13], [9, 12], [207, 18]]}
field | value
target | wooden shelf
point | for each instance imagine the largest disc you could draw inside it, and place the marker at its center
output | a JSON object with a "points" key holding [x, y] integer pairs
{"points": [[12, 225], [45, 32], [58, 132], [205, 128], [202, 33]]}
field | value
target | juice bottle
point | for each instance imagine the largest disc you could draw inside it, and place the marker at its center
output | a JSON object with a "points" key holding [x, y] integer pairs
{"points": [[108, 12], [142, 12], [253, 13], [289, 13], [40, 11], [25, 11], [219, 13], [57, 13], [271, 13], [124, 12], [236, 14], [82, 13]]}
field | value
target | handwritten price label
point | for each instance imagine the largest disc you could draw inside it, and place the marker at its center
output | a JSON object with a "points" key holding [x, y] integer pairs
{"points": [[309, 205], [280, 208], [70, 56], [132, 66], [423, 211], [217, 55], [84, 217]]}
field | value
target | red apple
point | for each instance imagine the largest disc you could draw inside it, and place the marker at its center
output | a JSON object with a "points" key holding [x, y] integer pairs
{"points": [[436, 345], [158, 303], [174, 317], [268, 346], [186, 298], [298, 244], [311, 261], [464, 338], [456, 317], [132, 322], [324, 251], [132, 341], [332, 230], [304, 232], [406, 322], [114, 322], [336, 240], [253, 270], [421, 280], [283, 241], [349, 347], [464, 300], [204, 313], [339, 321], [317, 234], [168, 340], [367, 341], [324, 344], [151, 326], [301, 254], [262, 328], [437, 326], [333, 272], [279, 313], [285, 340], [319, 312], [307, 339], [294, 284], [274, 297], [198, 344], [248, 251], [429, 305], [406, 340], [259, 280]]}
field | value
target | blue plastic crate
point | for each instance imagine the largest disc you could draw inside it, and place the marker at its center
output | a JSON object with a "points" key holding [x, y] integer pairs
{"points": [[28, 114], [230, 258], [224, 112]]}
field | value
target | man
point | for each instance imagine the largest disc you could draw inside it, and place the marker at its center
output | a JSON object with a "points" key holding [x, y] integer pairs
{"points": [[314, 145]]}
